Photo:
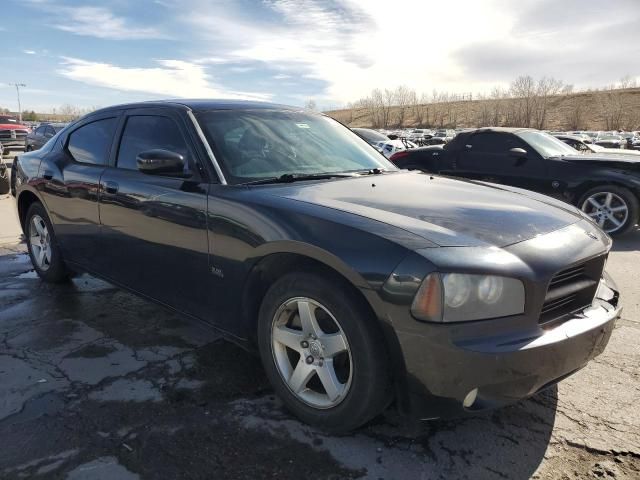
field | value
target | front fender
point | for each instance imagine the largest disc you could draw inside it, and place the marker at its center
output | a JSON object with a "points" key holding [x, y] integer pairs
{"points": [[310, 251]]}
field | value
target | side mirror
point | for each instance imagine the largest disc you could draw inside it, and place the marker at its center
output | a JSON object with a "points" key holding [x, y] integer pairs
{"points": [[161, 162], [392, 137], [518, 152]]}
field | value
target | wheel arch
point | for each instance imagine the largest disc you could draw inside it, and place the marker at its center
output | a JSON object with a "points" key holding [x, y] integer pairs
{"points": [[583, 188], [273, 260], [26, 198], [277, 262]]}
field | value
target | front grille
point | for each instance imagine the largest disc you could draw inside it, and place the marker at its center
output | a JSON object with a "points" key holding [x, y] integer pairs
{"points": [[13, 134], [572, 289], [566, 276]]}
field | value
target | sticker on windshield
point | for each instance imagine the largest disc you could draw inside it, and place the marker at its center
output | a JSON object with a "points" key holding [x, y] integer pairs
{"points": [[303, 125]]}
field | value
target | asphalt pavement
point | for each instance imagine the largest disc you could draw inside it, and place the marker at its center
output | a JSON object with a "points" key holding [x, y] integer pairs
{"points": [[96, 383]]}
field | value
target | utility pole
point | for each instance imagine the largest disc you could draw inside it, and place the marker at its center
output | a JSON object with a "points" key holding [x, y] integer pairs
{"points": [[18, 85]]}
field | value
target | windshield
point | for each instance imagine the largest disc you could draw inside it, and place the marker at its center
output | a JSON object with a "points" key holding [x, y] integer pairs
{"points": [[8, 120], [256, 144], [545, 144]]}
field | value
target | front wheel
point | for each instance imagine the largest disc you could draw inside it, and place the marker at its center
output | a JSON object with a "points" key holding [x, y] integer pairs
{"points": [[614, 209], [324, 357], [43, 248]]}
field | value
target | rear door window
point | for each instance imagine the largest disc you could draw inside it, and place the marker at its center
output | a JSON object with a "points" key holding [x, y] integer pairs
{"points": [[90, 143]]}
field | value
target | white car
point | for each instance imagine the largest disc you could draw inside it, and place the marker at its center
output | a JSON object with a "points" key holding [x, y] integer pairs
{"points": [[389, 147]]}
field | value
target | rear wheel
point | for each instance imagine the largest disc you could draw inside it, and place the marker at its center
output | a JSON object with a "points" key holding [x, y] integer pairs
{"points": [[323, 356], [43, 249], [613, 208]]}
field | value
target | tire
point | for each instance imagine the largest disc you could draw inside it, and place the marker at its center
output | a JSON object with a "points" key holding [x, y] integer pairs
{"points": [[5, 185], [51, 268], [362, 371], [28, 149], [615, 209]]}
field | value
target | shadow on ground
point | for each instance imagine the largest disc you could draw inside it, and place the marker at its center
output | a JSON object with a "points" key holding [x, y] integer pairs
{"points": [[629, 242]]}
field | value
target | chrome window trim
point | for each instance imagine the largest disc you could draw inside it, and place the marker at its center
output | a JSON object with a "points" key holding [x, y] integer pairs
{"points": [[207, 147]]}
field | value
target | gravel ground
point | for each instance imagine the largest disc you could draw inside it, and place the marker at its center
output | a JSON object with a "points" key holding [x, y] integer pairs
{"points": [[96, 383]]}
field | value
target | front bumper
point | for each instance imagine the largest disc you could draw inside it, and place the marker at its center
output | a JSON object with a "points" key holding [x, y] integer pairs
{"points": [[14, 144], [444, 368]]}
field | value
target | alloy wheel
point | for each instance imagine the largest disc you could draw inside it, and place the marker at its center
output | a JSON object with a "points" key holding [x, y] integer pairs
{"points": [[608, 210], [311, 352], [40, 242]]}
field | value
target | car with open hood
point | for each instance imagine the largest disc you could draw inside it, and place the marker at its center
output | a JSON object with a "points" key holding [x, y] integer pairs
{"points": [[604, 185], [360, 285]]}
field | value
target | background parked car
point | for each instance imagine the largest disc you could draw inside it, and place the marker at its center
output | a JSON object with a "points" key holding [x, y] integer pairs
{"points": [[387, 145], [579, 145], [13, 134], [605, 186], [5, 184], [42, 134], [370, 136], [391, 146], [611, 141]]}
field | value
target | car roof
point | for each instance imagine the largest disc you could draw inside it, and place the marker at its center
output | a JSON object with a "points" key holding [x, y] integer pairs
{"points": [[202, 105], [500, 129], [570, 137]]}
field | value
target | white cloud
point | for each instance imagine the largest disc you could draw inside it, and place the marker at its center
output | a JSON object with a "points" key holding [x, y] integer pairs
{"points": [[172, 78], [29, 52], [358, 45], [102, 23]]}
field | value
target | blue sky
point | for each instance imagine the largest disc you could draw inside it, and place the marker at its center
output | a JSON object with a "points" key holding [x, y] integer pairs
{"points": [[97, 53]]}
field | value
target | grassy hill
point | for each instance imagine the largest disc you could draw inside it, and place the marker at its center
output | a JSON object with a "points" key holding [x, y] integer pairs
{"points": [[593, 110]]}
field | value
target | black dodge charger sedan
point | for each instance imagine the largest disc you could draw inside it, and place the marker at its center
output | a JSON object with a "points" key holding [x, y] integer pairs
{"points": [[359, 284]]}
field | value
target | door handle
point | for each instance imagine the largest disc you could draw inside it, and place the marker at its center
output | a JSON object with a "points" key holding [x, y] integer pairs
{"points": [[110, 187], [47, 175]]}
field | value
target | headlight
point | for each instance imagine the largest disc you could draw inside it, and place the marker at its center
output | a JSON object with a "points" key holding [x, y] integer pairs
{"points": [[458, 297]]}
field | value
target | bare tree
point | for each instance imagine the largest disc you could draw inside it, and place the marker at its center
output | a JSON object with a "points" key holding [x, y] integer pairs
{"points": [[403, 98], [628, 82], [575, 114], [523, 91], [612, 107], [546, 88]]}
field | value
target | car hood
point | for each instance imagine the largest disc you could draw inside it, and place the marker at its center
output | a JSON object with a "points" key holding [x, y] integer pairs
{"points": [[13, 126], [605, 158], [444, 211]]}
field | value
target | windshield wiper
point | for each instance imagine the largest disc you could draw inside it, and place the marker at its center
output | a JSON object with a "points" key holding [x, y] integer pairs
{"points": [[297, 177]]}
